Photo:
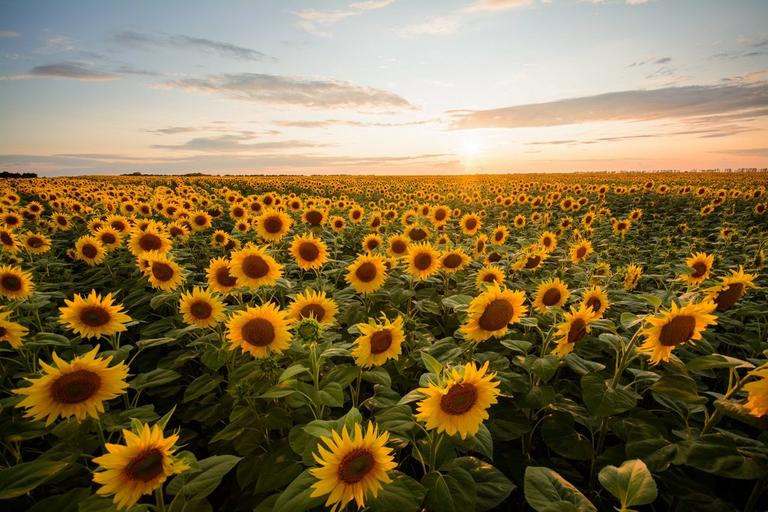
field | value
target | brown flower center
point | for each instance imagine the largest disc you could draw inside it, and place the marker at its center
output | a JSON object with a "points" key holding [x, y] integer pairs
{"points": [[355, 465], [497, 315], [150, 242], [422, 261], [594, 303], [577, 330], [201, 309], [398, 247], [417, 234], [728, 297], [258, 332], [6, 238], [11, 282], [273, 224], [532, 262], [459, 399], [200, 220], [700, 268], [470, 224], [34, 242], [315, 310], [440, 214], [224, 278], [162, 271], [551, 297], [108, 238], [581, 252], [94, 316], [146, 466], [75, 387], [314, 217], [89, 251], [490, 277], [366, 272], [453, 260], [255, 267], [677, 331], [494, 257], [309, 251], [381, 341]]}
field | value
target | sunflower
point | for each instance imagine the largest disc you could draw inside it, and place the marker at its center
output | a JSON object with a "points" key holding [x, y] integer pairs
{"points": [[78, 388], [201, 308], [352, 467], [371, 243], [90, 250], [499, 235], [219, 278], [138, 467], [532, 259], [162, 272], [470, 224], [423, 260], [309, 252], [272, 225], [367, 273], [152, 239], [93, 316], [548, 241], [36, 243], [757, 392], [597, 299], [313, 304], [397, 246], [489, 274], [200, 220], [253, 267], [337, 223], [15, 283], [491, 312], [701, 265], [731, 289], [454, 260], [440, 215], [552, 293], [11, 331], [378, 342], [575, 326], [519, 221], [460, 404], [580, 251], [109, 237], [632, 276], [219, 238], [8, 241], [314, 216], [675, 327], [260, 331]]}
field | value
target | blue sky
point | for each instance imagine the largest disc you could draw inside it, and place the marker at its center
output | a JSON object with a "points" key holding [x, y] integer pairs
{"points": [[385, 86]]}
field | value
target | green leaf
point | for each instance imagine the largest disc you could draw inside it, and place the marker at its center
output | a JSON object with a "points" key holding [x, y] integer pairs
{"points": [[602, 400], [162, 422], [491, 486], [721, 455], [631, 483], [677, 387], [154, 378], [459, 302], [292, 371], [18, 480], [431, 364], [545, 367], [560, 435], [202, 385], [295, 497], [711, 361], [197, 483], [452, 491], [398, 419], [629, 320], [403, 494], [154, 342], [62, 502], [331, 395], [545, 488]]}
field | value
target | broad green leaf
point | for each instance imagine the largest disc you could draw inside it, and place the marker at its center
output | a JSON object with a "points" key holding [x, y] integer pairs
{"points": [[631, 483], [154, 378], [295, 497], [430, 363], [560, 435], [402, 494], [602, 400], [491, 486], [545, 488], [451, 491], [18, 480], [197, 483]]}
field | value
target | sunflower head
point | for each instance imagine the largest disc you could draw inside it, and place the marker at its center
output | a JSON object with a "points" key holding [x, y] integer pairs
{"points": [[367, 273], [259, 331], [162, 272], [313, 304], [596, 299], [454, 260], [731, 289], [253, 267], [93, 316], [676, 327], [309, 251], [378, 342], [700, 265], [90, 250], [219, 277], [272, 225], [15, 283], [423, 260], [201, 308], [580, 251], [574, 327], [488, 275], [552, 293], [491, 313], [11, 332]]}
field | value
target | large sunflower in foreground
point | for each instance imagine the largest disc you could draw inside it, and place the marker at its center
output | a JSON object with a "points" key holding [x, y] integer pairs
{"points": [[15, 283], [253, 267], [378, 342], [757, 392], [259, 331], [597, 299], [77, 388], [11, 331], [423, 260], [201, 308], [491, 312], [93, 316], [731, 289], [367, 273], [313, 304], [700, 265], [676, 327], [549, 294], [138, 467], [309, 251], [352, 467], [573, 329], [459, 405]]}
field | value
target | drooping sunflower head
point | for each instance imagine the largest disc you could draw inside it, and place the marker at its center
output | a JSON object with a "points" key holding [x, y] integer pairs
{"points": [[701, 266], [489, 275], [367, 273], [93, 316], [580, 251], [36, 243], [313, 304], [219, 277], [454, 260], [574, 327], [596, 299], [259, 331], [77, 388], [676, 327], [11, 332], [731, 289], [552, 293], [272, 225], [201, 308], [138, 467], [378, 342], [162, 272], [15, 283], [90, 250], [632, 276], [309, 252], [352, 467], [460, 404], [8, 241], [253, 267], [490, 313], [423, 260]]}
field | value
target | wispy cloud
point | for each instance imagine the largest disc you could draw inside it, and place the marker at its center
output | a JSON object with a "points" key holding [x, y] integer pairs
{"points": [[288, 90], [8, 34], [760, 152], [707, 133], [326, 123], [317, 22], [192, 43], [451, 22], [651, 60], [237, 143], [63, 70], [634, 105]]}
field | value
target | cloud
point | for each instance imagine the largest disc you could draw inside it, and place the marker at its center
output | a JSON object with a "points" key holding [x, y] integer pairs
{"points": [[634, 105], [325, 123], [63, 70], [716, 132], [651, 60], [297, 91], [192, 43], [8, 34], [236, 143], [312, 20], [759, 152], [451, 22]]}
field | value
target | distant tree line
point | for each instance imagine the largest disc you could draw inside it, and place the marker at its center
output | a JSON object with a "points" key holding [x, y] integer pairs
{"points": [[6, 174]]}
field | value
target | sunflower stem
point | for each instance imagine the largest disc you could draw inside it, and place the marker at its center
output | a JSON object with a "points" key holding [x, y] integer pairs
{"points": [[159, 500]]}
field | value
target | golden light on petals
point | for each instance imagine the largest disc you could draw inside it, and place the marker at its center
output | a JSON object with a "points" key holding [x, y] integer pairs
{"points": [[490, 313], [675, 327], [93, 316]]}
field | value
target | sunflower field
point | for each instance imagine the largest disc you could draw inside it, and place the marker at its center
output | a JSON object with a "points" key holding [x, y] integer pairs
{"points": [[559, 342]]}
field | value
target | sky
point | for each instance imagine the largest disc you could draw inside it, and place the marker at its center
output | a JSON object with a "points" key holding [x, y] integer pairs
{"points": [[382, 86]]}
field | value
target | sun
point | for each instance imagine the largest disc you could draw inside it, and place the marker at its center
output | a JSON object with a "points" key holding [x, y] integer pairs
{"points": [[470, 149]]}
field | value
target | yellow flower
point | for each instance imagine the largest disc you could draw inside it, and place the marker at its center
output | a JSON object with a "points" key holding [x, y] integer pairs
{"points": [[219, 278], [632, 276], [676, 327], [352, 467], [489, 274], [151, 239], [138, 467], [378, 342], [201, 308], [548, 240], [259, 331], [701, 265], [460, 404], [90, 250], [253, 267], [77, 388], [573, 329], [731, 289], [454, 260], [580, 251], [491, 313], [15, 283], [36, 243], [309, 252], [313, 304], [470, 224], [367, 273], [597, 299], [92, 317], [397, 246], [162, 272], [272, 225], [549, 294], [757, 392], [423, 260], [11, 331]]}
